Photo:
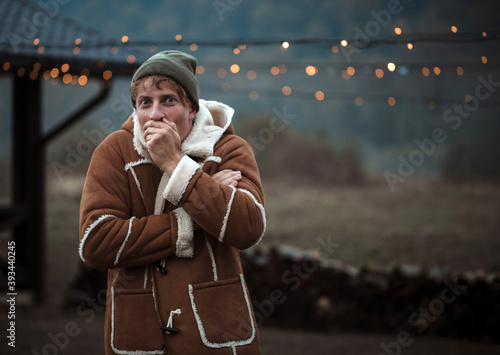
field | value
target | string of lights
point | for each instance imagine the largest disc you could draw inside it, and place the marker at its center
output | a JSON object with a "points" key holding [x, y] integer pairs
{"points": [[331, 43], [331, 68], [360, 42], [252, 70], [357, 98], [56, 75], [222, 69]]}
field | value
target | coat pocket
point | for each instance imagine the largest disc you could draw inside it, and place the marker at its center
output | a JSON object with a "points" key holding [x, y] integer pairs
{"points": [[134, 322], [223, 312]]}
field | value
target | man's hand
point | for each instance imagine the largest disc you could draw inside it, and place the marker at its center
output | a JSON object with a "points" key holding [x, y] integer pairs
{"points": [[164, 144], [228, 177], [225, 177]]}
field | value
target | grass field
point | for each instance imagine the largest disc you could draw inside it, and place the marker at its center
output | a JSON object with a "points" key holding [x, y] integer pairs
{"points": [[451, 226]]}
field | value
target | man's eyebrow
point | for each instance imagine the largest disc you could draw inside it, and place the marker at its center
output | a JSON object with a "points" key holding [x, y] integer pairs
{"points": [[142, 97], [170, 95]]}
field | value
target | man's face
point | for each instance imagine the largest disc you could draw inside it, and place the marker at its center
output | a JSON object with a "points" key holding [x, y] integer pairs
{"points": [[155, 104]]}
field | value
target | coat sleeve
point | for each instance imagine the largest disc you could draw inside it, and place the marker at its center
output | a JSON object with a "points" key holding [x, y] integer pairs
{"points": [[109, 235], [235, 216]]}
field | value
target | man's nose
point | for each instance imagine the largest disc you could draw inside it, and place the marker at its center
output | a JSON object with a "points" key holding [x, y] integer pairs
{"points": [[156, 112]]}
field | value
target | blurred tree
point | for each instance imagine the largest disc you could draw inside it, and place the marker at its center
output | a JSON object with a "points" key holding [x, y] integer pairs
{"points": [[473, 158], [289, 155]]}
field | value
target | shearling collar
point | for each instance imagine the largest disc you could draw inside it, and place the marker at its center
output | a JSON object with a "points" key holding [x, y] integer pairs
{"points": [[210, 123]]}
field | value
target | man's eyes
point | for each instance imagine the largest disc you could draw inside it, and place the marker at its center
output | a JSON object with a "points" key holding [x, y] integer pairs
{"points": [[168, 100]]}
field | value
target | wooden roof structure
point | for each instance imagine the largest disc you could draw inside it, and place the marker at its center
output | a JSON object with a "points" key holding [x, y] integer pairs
{"points": [[33, 33], [36, 41]]}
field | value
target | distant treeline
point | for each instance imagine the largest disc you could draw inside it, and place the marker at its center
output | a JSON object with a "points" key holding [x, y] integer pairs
{"points": [[285, 154], [473, 158]]}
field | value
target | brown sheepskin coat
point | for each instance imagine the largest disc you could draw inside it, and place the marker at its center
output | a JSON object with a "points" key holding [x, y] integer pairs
{"points": [[171, 243]]}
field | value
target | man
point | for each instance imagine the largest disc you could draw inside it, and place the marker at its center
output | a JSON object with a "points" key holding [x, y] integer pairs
{"points": [[168, 202]]}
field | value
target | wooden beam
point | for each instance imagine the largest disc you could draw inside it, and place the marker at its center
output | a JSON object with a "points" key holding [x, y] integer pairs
{"points": [[28, 183], [86, 107]]}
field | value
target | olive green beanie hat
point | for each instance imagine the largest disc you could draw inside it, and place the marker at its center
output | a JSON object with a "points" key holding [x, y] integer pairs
{"points": [[176, 65]]}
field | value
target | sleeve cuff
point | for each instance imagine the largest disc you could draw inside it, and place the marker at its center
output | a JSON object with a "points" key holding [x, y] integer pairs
{"points": [[179, 180], [184, 243]]}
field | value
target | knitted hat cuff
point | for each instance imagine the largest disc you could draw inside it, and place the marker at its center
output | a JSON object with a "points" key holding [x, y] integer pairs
{"points": [[176, 65]]}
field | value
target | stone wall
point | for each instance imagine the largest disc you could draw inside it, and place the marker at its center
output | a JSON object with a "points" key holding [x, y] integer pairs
{"points": [[296, 289]]}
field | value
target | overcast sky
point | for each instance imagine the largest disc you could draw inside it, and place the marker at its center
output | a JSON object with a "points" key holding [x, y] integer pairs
{"points": [[160, 19]]}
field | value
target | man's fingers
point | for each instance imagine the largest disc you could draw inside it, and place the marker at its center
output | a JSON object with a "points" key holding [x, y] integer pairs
{"points": [[230, 175], [157, 129], [220, 174], [171, 124], [227, 177], [161, 125], [224, 174]]}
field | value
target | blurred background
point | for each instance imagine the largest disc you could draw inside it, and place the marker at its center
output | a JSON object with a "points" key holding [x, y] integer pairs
{"points": [[376, 126]]}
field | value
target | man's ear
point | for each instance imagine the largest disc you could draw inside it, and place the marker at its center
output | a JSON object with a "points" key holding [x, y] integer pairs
{"points": [[192, 113]]}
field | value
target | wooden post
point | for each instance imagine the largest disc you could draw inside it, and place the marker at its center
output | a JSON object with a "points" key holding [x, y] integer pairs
{"points": [[28, 184]]}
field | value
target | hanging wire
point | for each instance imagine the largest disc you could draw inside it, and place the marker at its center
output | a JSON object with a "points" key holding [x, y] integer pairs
{"points": [[326, 43]]}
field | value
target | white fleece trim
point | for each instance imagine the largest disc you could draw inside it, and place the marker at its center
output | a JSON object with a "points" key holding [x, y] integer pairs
{"points": [[159, 200], [124, 352], [262, 210], [130, 166], [140, 144], [213, 158], [146, 269], [132, 170], [129, 232], [153, 288], [137, 163], [226, 217], [185, 234], [211, 121], [179, 180], [212, 257], [201, 329], [89, 230]]}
